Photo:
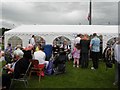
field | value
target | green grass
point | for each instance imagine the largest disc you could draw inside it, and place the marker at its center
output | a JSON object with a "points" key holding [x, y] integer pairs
{"points": [[76, 78]]}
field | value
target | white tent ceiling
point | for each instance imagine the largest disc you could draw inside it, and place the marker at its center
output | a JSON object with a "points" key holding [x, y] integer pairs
{"points": [[65, 28], [50, 32]]}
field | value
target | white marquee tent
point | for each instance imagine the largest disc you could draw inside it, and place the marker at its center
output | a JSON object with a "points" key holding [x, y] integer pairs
{"points": [[50, 32]]}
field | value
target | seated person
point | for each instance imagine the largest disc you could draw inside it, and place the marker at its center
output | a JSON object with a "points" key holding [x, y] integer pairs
{"points": [[40, 56], [28, 52], [18, 68]]}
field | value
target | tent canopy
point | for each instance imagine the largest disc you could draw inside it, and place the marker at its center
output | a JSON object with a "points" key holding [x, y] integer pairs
{"points": [[50, 32], [65, 28]]}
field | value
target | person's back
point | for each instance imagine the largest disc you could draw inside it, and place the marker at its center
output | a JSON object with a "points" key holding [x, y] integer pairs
{"points": [[40, 56], [95, 42], [76, 53], [20, 67], [77, 39], [95, 50], [27, 54], [84, 45]]}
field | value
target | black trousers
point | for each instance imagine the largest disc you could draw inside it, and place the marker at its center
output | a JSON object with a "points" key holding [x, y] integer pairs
{"points": [[84, 60], [95, 59], [6, 80]]}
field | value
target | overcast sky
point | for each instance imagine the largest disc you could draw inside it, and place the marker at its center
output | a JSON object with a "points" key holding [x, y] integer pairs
{"points": [[61, 13]]}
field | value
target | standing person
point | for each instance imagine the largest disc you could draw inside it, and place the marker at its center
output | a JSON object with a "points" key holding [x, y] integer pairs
{"points": [[95, 49], [8, 53], [117, 58], [55, 49], [65, 47], [32, 41], [76, 55], [84, 45], [77, 39]]}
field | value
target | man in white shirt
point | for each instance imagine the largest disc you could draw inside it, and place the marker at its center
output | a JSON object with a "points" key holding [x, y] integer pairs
{"points": [[32, 40], [40, 56], [77, 39]]}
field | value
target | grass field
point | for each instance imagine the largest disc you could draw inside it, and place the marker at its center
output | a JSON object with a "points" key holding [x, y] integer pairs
{"points": [[75, 78]]}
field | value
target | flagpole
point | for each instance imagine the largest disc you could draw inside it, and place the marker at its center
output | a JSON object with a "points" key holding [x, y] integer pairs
{"points": [[90, 12]]}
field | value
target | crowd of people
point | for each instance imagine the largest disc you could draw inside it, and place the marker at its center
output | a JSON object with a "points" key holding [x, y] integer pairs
{"points": [[84, 47]]}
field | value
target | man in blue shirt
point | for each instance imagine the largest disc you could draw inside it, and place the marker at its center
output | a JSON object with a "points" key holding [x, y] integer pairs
{"points": [[95, 49]]}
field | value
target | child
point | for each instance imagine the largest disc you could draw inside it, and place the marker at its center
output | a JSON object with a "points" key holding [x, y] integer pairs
{"points": [[76, 55]]}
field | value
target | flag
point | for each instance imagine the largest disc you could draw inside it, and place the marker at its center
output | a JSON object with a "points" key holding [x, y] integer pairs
{"points": [[88, 17], [90, 13]]}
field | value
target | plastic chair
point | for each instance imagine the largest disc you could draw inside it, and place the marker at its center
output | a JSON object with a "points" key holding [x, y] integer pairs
{"points": [[36, 67], [23, 77]]}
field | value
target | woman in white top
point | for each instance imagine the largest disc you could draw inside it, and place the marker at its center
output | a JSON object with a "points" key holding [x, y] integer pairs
{"points": [[40, 56]]}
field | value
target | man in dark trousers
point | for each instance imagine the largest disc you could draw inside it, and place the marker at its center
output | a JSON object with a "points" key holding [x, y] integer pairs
{"points": [[95, 49], [19, 67], [84, 45]]}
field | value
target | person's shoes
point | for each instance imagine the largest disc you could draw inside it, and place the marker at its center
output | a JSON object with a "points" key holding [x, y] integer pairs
{"points": [[115, 83], [92, 68], [73, 65], [77, 66]]}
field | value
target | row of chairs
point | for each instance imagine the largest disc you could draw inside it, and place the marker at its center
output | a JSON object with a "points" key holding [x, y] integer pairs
{"points": [[33, 67]]}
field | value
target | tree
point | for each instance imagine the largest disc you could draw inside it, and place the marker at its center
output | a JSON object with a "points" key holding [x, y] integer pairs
{"points": [[3, 30]]}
